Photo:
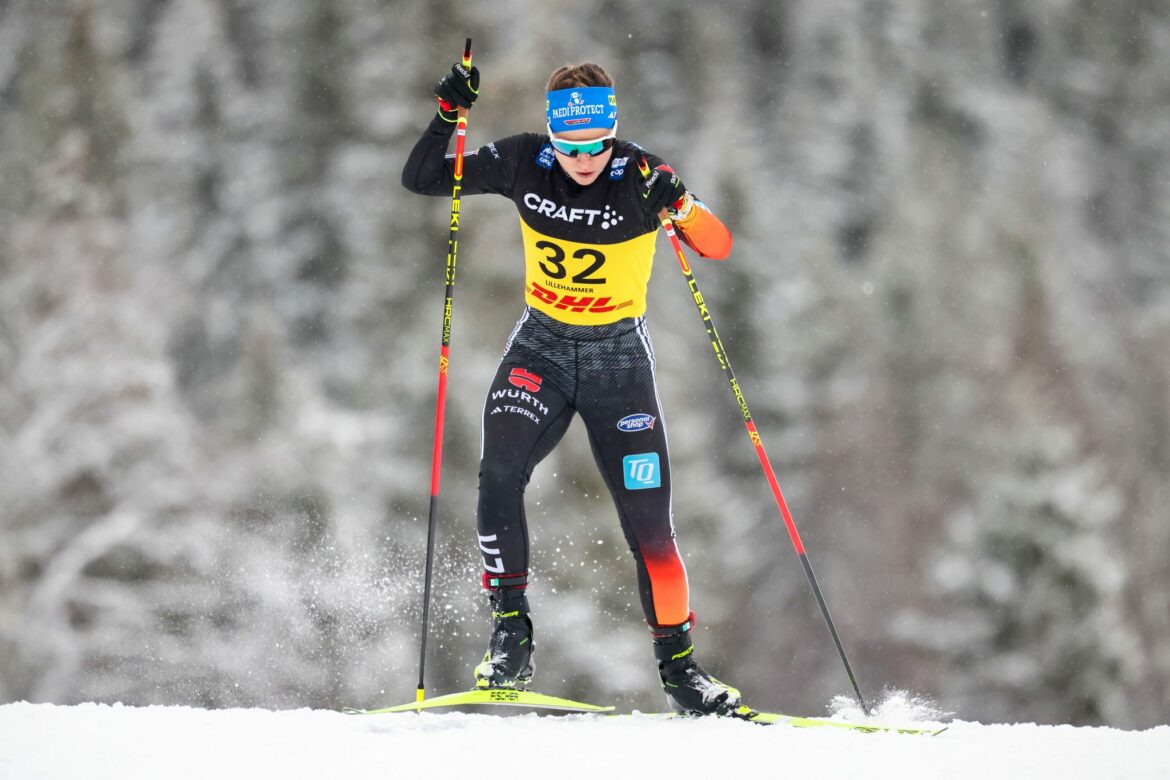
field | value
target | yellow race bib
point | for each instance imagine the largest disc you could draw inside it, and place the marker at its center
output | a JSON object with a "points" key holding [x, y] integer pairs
{"points": [[586, 284]]}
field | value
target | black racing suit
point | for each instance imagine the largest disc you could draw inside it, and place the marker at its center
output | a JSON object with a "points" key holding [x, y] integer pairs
{"points": [[581, 346]]}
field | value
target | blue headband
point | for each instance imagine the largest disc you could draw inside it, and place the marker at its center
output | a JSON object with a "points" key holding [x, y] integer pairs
{"points": [[581, 108]]}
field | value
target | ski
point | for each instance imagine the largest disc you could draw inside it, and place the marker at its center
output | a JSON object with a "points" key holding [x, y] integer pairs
{"points": [[776, 718], [796, 721], [489, 696], [539, 701]]}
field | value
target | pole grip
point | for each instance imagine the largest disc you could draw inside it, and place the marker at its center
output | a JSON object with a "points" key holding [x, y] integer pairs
{"points": [[460, 111]]}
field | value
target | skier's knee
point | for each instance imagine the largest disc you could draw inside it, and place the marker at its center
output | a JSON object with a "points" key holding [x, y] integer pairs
{"points": [[496, 475]]}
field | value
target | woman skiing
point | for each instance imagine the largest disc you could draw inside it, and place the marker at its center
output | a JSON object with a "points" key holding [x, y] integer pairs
{"points": [[588, 222]]}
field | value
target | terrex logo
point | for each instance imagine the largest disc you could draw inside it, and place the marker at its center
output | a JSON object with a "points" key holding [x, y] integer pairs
{"points": [[589, 216]]}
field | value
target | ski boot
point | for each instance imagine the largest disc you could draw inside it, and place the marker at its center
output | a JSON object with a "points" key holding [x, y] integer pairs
{"points": [[508, 660], [689, 689]]}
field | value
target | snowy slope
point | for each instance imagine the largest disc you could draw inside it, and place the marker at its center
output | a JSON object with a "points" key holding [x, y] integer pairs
{"points": [[99, 741]]}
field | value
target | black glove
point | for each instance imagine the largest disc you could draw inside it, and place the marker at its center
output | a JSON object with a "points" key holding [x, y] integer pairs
{"points": [[458, 89], [662, 189]]}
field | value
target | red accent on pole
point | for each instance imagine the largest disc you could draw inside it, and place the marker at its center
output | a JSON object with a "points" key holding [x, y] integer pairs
{"points": [[460, 141], [775, 485], [440, 405], [678, 253]]}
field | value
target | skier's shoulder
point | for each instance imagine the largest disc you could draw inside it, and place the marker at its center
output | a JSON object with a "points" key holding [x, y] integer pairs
{"points": [[634, 152], [519, 148]]}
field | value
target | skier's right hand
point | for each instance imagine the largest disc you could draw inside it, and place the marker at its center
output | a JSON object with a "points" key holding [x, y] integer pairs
{"points": [[458, 89]]}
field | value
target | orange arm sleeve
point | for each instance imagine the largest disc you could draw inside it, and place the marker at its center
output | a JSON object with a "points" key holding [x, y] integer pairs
{"points": [[704, 233]]}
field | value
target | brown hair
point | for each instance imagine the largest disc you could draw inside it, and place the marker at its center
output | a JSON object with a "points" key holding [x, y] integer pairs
{"points": [[587, 74]]}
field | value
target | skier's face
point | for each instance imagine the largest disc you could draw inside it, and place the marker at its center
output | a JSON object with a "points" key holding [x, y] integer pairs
{"points": [[584, 168]]}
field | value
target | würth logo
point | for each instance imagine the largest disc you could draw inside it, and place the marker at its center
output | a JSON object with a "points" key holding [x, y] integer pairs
{"points": [[525, 380]]}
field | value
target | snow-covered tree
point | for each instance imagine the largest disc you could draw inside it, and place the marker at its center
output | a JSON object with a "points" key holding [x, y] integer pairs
{"points": [[1033, 581]]}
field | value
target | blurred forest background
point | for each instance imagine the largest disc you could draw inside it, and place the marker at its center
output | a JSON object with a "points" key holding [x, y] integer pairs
{"points": [[948, 306]]}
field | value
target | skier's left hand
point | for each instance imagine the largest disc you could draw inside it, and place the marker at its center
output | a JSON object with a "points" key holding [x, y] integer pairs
{"points": [[663, 189]]}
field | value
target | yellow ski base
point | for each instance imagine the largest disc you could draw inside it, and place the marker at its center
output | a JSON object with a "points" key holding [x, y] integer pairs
{"points": [[490, 696]]}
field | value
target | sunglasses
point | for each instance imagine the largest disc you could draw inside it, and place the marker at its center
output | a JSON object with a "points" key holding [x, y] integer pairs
{"points": [[575, 148]]}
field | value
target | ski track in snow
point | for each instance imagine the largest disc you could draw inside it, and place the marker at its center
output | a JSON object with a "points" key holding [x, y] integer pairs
{"points": [[97, 741]]}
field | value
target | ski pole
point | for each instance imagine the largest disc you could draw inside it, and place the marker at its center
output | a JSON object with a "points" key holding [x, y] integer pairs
{"points": [[754, 435], [444, 359]]}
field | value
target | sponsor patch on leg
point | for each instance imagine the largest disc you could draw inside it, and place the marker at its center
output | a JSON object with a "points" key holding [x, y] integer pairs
{"points": [[642, 471]]}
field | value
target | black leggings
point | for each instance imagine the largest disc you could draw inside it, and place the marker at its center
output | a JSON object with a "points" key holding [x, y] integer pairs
{"points": [[606, 374]]}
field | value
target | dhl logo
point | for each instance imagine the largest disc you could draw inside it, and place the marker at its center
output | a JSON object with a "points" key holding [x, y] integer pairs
{"points": [[586, 303]]}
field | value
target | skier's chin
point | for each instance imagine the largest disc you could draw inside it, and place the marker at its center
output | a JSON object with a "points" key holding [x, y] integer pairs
{"points": [[584, 178]]}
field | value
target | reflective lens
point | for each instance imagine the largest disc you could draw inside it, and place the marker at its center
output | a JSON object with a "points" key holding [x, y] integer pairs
{"points": [[574, 148]]}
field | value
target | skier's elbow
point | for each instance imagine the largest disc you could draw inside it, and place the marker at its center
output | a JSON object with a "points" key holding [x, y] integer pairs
{"points": [[720, 249], [410, 182]]}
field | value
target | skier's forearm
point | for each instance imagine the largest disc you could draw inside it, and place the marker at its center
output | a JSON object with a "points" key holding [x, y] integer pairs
{"points": [[705, 233], [427, 171]]}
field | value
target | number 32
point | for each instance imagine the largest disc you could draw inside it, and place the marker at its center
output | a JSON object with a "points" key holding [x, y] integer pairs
{"points": [[554, 263]]}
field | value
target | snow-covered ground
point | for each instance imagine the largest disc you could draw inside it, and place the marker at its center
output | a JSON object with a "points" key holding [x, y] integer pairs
{"points": [[93, 742]]}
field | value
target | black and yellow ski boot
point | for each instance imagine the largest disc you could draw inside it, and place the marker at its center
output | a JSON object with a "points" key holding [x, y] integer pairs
{"points": [[508, 660], [689, 689]]}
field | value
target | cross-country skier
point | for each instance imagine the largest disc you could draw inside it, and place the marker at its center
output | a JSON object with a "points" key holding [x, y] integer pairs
{"points": [[588, 223]]}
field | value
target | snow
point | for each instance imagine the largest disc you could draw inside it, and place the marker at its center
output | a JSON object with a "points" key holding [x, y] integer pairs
{"points": [[98, 741]]}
